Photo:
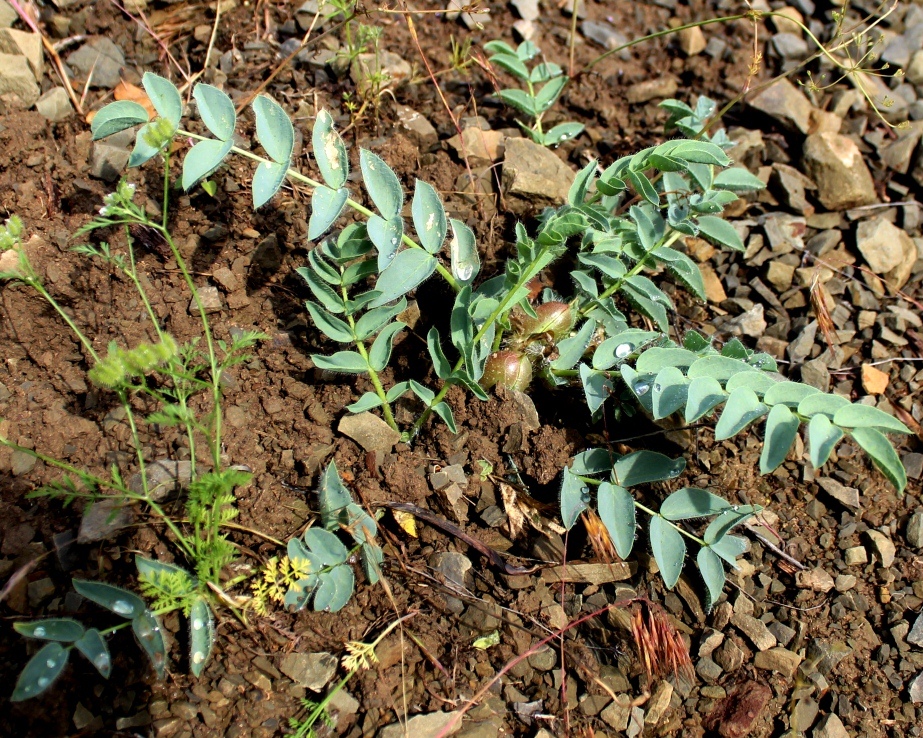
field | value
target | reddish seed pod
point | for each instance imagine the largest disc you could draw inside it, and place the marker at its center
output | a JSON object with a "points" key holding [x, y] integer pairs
{"points": [[507, 369], [553, 318]]}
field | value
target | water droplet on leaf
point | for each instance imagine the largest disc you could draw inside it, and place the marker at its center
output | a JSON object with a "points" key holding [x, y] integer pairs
{"points": [[39, 632], [641, 388], [622, 350], [120, 607]]}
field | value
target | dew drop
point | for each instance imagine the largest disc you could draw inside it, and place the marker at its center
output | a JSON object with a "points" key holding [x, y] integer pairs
{"points": [[198, 657], [43, 682], [51, 663], [197, 624], [563, 137], [394, 242], [622, 350], [464, 272], [39, 632], [735, 508], [642, 388], [120, 607], [101, 661], [657, 388]]}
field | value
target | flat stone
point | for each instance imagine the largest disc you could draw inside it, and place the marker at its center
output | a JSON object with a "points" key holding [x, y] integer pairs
{"points": [[478, 146], [856, 556], [714, 289], [816, 373], [914, 531], [107, 162], [913, 463], [424, 726], [101, 58], [734, 716], [369, 431], [838, 169], [55, 105], [311, 670], [916, 689], [526, 9], [830, 727], [417, 125], [817, 580], [803, 714], [915, 636], [780, 275], [887, 249], [589, 573], [708, 669], [534, 176], [165, 479], [16, 78], [8, 16], [826, 654], [394, 70], [848, 496], [618, 712], [692, 41], [778, 659], [103, 519], [883, 546], [786, 103], [751, 323], [25, 44], [874, 381], [844, 582], [658, 703], [755, 630], [210, 298], [652, 89], [606, 36], [898, 154]]}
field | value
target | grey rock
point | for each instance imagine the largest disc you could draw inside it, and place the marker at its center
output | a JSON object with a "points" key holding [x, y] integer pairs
{"points": [[803, 714], [816, 373], [777, 659], [210, 299], [916, 632], [455, 567], [830, 727], [364, 66], [883, 546], [838, 169], [107, 162], [897, 52], [568, 9], [755, 630], [827, 655], [16, 78], [369, 431], [103, 519], [730, 656], [659, 702], [452, 474], [817, 579], [652, 89], [751, 323], [424, 726], [606, 36], [799, 349], [916, 689], [25, 44], [533, 176], [790, 46], [914, 70], [913, 463], [417, 125], [343, 703], [708, 669], [103, 59], [848, 496], [784, 232], [311, 670], [55, 105], [543, 659], [39, 591], [791, 185], [782, 632], [786, 103], [617, 714], [527, 9], [165, 479], [524, 30], [856, 556], [21, 463], [914, 531], [844, 582], [887, 249]]}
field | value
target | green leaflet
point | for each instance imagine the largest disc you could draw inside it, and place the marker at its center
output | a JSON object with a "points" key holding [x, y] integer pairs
{"points": [[882, 453], [380, 353], [329, 151], [429, 218], [669, 549], [616, 509], [865, 416], [203, 159], [94, 648], [274, 130], [712, 570], [409, 268], [201, 635], [267, 179], [326, 206], [41, 672], [164, 97], [575, 497], [741, 409], [692, 502], [823, 436], [120, 601], [670, 392], [781, 429], [216, 111], [703, 396], [643, 467], [64, 630], [117, 117], [382, 185]]}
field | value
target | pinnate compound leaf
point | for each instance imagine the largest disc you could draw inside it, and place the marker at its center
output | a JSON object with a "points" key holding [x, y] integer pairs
{"points": [[823, 436], [729, 548], [720, 231], [329, 549], [203, 159], [96, 651], [880, 451], [866, 416], [330, 326], [741, 409], [692, 502], [712, 570], [274, 130], [669, 393], [115, 599], [335, 589], [41, 671], [117, 117], [64, 630], [575, 497], [429, 219], [788, 393], [326, 206], [164, 97], [348, 362], [781, 429], [409, 268], [329, 151], [382, 184], [380, 353], [463, 252], [216, 111], [267, 179], [201, 635], [616, 509], [386, 235], [333, 497], [669, 549], [150, 636], [642, 467]]}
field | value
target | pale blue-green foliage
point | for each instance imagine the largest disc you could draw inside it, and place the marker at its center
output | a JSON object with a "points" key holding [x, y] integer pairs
{"points": [[65, 634], [544, 84], [330, 581], [616, 507]]}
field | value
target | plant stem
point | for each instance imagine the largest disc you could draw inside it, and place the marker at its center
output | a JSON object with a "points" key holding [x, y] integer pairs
{"points": [[359, 208]]}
